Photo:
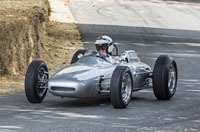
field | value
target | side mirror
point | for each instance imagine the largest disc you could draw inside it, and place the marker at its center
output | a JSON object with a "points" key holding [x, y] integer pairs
{"points": [[79, 55]]}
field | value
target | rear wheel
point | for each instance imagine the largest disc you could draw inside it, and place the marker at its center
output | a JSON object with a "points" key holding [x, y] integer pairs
{"points": [[36, 81], [121, 87], [165, 77], [75, 56]]}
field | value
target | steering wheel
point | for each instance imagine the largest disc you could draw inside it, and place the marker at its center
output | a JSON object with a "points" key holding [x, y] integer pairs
{"points": [[94, 53]]}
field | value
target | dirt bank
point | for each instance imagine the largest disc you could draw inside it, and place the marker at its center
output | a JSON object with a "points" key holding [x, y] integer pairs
{"points": [[63, 37], [62, 41]]}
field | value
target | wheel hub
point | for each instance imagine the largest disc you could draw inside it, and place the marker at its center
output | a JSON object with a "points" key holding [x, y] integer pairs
{"points": [[126, 88], [172, 79], [42, 80]]}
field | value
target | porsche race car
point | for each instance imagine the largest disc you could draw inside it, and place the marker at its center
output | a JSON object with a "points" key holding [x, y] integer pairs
{"points": [[90, 76]]}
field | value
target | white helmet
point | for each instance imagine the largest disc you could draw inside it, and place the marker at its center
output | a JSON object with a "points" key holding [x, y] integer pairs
{"points": [[104, 42]]}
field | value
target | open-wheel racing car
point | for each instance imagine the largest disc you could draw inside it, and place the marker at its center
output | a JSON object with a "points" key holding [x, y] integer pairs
{"points": [[89, 75]]}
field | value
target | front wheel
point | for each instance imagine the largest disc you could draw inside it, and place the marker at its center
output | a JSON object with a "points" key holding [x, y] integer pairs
{"points": [[36, 80], [165, 77], [121, 87]]}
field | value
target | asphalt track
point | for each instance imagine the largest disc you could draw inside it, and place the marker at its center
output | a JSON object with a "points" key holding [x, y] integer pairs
{"points": [[151, 28]]}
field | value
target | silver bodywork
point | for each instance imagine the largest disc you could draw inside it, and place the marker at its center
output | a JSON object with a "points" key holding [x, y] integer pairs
{"points": [[91, 75]]}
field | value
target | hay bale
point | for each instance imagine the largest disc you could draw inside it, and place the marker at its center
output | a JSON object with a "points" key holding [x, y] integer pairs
{"points": [[22, 34]]}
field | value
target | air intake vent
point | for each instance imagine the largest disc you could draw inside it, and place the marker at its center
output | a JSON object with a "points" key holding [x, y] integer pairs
{"points": [[62, 89]]}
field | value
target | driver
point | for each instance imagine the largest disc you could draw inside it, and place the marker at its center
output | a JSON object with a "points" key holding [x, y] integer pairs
{"points": [[104, 46]]}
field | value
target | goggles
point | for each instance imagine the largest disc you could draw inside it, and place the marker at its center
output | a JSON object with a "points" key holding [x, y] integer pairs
{"points": [[101, 47]]}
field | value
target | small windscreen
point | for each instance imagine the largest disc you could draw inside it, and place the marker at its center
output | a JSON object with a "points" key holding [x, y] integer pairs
{"points": [[88, 60], [93, 60]]}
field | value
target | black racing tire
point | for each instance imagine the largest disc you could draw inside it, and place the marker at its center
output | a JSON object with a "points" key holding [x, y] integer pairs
{"points": [[33, 93], [165, 70], [116, 87], [75, 56]]}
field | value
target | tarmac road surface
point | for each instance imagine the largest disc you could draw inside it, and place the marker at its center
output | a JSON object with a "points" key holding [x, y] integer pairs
{"points": [[151, 28]]}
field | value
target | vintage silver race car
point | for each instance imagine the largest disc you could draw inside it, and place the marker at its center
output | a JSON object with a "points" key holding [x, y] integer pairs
{"points": [[90, 75]]}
